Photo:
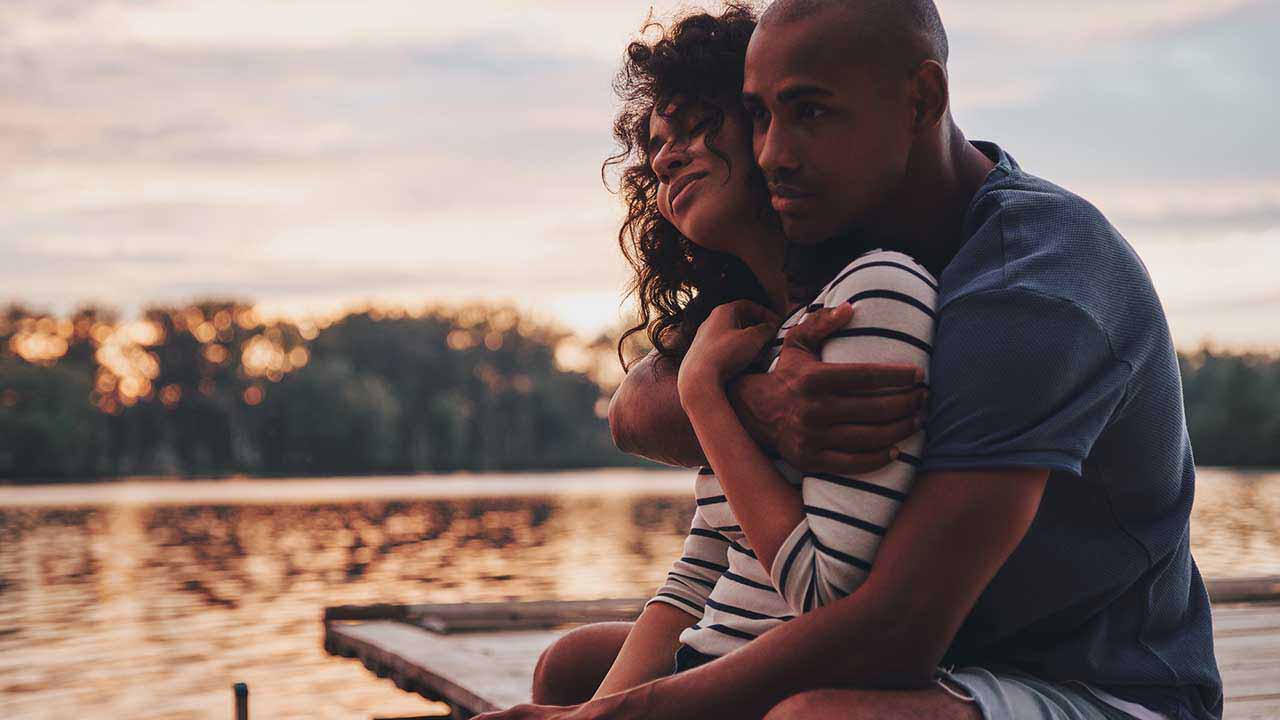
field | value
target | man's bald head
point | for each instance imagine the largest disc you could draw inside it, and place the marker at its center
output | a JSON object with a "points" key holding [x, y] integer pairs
{"points": [[893, 34]]}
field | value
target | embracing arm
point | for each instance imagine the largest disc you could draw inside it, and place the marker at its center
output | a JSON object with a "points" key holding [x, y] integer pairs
{"points": [[792, 412], [954, 532], [645, 416]]}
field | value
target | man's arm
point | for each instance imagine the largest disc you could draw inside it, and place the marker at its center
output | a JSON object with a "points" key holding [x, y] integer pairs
{"points": [[790, 412], [954, 532], [646, 419]]}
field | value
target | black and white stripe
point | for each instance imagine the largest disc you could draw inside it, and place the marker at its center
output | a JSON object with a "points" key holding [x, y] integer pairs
{"points": [[828, 555]]}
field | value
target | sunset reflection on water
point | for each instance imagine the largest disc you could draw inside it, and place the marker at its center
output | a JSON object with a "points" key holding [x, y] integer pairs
{"points": [[152, 609]]}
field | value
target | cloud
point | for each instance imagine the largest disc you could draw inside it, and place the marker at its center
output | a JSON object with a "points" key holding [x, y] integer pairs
{"points": [[308, 153], [1057, 25]]}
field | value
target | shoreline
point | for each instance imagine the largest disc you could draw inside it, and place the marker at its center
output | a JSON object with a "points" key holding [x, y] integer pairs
{"points": [[242, 490]]}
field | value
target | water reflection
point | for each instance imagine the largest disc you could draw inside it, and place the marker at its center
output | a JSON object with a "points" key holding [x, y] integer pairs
{"points": [[137, 610]]}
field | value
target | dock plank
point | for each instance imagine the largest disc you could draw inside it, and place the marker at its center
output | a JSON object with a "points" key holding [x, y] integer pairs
{"points": [[479, 671]]}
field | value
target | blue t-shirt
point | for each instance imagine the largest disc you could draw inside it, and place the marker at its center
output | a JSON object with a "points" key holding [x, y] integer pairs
{"points": [[1052, 351]]}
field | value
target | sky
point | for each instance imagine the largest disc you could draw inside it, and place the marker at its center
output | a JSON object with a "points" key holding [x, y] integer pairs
{"points": [[315, 155]]}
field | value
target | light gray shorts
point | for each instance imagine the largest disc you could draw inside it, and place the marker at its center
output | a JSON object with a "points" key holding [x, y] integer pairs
{"points": [[1006, 695]]}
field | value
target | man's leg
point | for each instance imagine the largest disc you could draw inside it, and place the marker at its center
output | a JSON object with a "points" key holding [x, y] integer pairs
{"points": [[569, 671], [837, 704]]}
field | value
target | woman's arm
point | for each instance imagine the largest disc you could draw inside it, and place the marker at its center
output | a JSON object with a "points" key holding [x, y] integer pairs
{"points": [[829, 553], [649, 650], [817, 541]]}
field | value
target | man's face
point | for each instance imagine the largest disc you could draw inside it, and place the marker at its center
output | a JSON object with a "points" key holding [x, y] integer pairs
{"points": [[831, 135]]}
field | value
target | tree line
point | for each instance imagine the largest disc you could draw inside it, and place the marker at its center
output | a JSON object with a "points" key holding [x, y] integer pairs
{"points": [[211, 388]]}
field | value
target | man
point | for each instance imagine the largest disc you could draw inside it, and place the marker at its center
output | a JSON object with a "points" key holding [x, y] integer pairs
{"points": [[1044, 550]]}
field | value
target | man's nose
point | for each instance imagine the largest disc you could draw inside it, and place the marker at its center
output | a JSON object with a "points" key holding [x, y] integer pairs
{"points": [[775, 152]]}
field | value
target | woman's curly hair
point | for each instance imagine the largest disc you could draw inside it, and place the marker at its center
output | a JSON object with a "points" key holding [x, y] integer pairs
{"points": [[696, 63]]}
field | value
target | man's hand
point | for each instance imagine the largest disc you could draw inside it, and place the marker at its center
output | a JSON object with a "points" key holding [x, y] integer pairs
{"points": [[840, 418]]}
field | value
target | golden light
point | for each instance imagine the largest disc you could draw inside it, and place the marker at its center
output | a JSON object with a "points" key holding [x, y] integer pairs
{"points": [[247, 319], [261, 356], [216, 354], [253, 395], [222, 320], [460, 340], [38, 346], [106, 382], [493, 340], [206, 387], [573, 357], [142, 332], [308, 330], [204, 332], [171, 394], [299, 357]]}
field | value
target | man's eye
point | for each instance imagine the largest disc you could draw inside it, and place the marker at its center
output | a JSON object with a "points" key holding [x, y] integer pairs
{"points": [[757, 114], [810, 111]]}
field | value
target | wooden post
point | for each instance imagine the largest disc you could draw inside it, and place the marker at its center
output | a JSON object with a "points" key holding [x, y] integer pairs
{"points": [[242, 700]]}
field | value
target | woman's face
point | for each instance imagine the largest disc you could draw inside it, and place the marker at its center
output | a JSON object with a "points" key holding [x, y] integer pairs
{"points": [[700, 193]]}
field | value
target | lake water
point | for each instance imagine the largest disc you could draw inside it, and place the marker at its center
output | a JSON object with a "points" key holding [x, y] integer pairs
{"points": [[147, 600]]}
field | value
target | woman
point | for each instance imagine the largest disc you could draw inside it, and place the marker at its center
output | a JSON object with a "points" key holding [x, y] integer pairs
{"points": [[767, 542]]}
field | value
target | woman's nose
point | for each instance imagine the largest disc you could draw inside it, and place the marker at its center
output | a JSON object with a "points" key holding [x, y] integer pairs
{"points": [[672, 158]]}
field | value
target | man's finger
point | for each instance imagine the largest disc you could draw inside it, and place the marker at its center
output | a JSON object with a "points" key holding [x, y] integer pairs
{"points": [[860, 378], [866, 438], [873, 409], [749, 313], [819, 324]]}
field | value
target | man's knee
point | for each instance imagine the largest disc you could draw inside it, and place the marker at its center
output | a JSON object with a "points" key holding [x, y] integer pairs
{"points": [[804, 705], [571, 668], [848, 704]]}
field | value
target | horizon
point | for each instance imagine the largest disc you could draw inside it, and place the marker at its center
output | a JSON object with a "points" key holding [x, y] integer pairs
{"points": [[312, 158]]}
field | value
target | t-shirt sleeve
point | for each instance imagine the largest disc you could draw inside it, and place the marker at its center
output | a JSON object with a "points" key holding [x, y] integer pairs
{"points": [[829, 553], [695, 573], [1020, 379]]}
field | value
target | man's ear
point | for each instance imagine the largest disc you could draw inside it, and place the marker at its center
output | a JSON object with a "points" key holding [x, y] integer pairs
{"points": [[930, 95]]}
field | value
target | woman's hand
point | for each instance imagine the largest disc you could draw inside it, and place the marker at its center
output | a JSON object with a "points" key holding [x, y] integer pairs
{"points": [[619, 706], [726, 343], [529, 711]]}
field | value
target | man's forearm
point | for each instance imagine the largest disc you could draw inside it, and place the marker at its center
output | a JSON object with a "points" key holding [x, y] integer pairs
{"points": [[646, 419], [810, 652]]}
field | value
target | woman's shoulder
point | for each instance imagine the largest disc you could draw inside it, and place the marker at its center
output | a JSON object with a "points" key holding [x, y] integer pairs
{"points": [[886, 270]]}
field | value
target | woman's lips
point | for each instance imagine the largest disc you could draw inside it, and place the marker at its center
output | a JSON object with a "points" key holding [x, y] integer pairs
{"points": [[681, 190]]}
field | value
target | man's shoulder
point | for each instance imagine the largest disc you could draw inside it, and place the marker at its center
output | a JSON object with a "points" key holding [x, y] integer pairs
{"points": [[1026, 233], [1031, 239]]}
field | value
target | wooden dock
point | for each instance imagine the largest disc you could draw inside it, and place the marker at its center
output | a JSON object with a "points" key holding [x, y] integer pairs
{"points": [[480, 656]]}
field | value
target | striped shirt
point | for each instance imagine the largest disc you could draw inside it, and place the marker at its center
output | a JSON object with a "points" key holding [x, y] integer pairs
{"points": [[829, 553]]}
